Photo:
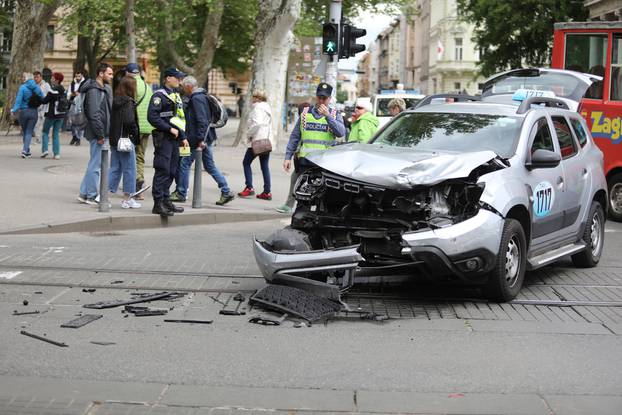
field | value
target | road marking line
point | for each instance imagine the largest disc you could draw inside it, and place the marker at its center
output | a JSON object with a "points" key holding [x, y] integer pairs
{"points": [[9, 275]]}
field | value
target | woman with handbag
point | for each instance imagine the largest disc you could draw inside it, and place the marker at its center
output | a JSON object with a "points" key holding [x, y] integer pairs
{"points": [[124, 136], [260, 142]]}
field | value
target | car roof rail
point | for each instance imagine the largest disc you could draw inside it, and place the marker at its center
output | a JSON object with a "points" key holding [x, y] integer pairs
{"points": [[458, 97], [547, 101]]}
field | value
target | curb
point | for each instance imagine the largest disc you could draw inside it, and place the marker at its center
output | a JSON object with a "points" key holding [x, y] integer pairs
{"points": [[120, 223]]}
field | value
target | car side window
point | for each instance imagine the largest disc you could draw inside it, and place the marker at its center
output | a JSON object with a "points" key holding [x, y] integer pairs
{"points": [[579, 131], [543, 139], [567, 144]]}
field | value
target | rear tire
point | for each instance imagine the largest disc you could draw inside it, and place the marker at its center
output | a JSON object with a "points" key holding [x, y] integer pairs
{"points": [[508, 274], [615, 197], [594, 238]]}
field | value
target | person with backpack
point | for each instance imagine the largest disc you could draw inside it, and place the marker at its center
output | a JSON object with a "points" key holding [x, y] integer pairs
{"points": [[200, 134], [58, 105], [76, 113], [143, 96], [28, 98]]}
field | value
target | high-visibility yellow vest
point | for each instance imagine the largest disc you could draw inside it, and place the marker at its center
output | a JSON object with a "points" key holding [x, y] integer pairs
{"points": [[315, 134], [178, 118]]}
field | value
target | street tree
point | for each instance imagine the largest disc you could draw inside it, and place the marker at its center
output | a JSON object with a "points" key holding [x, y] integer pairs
{"points": [[30, 22], [129, 31], [511, 36]]}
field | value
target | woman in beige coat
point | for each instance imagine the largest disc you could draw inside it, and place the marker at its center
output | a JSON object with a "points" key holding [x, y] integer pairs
{"points": [[259, 128]]}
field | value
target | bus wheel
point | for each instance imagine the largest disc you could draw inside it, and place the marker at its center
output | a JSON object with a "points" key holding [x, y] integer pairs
{"points": [[615, 197]]}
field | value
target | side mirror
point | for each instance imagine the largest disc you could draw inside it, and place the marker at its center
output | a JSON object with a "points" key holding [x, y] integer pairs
{"points": [[543, 159]]}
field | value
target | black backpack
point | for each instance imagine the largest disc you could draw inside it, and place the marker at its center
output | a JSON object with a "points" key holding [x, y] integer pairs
{"points": [[63, 104], [34, 101], [217, 111]]}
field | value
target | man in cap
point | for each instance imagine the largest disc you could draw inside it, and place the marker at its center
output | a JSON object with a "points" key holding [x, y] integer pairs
{"points": [[143, 97], [166, 115], [316, 129]]}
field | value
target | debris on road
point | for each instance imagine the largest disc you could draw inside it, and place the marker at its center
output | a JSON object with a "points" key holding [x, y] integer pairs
{"points": [[189, 321], [291, 300], [88, 290], [216, 300], [117, 282], [141, 299], [103, 343], [267, 321], [23, 313], [144, 311], [81, 321], [234, 312], [35, 336], [239, 297], [25, 302]]}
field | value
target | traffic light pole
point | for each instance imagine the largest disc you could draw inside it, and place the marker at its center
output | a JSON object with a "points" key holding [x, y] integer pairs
{"points": [[330, 77]]}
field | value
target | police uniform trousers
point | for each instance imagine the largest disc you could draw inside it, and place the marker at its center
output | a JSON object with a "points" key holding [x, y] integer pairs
{"points": [[165, 161]]}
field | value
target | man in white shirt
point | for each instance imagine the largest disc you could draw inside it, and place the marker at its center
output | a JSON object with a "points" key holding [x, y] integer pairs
{"points": [[45, 88]]}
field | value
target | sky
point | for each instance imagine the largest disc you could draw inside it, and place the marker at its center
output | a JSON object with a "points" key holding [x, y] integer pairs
{"points": [[374, 24]]}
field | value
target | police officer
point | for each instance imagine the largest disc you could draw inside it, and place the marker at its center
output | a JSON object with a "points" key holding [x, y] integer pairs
{"points": [[315, 130], [166, 114]]}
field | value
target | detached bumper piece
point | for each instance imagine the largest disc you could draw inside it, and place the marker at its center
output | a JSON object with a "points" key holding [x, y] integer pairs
{"points": [[294, 301]]}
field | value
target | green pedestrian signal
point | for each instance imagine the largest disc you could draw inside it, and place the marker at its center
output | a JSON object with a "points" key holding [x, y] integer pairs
{"points": [[330, 38]]}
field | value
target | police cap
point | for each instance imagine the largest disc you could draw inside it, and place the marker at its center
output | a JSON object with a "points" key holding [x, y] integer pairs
{"points": [[324, 90], [172, 71]]}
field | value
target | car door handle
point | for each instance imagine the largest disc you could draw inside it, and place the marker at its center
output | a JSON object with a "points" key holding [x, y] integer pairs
{"points": [[560, 180], [584, 172]]}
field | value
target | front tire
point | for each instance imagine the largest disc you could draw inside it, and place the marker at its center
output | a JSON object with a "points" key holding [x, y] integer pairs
{"points": [[594, 238], [508, 274]]}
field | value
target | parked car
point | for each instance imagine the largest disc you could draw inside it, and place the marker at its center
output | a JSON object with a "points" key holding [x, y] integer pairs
{"points": [[475, 191]]}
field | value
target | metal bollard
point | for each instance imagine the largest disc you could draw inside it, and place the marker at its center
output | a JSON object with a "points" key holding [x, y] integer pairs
{"points": [[104, 204], [196, 189]]}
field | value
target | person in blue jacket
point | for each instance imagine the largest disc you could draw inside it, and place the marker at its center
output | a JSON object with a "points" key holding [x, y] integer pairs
{"points": [[27, 110]]}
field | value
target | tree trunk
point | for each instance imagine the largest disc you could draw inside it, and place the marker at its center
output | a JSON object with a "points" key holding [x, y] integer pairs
{"points": [[129, 30], [30, 23], [273, 39], [210, 42]]}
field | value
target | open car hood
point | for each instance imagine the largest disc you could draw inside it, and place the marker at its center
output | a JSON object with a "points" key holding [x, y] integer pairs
{"points": [[398, 167]]}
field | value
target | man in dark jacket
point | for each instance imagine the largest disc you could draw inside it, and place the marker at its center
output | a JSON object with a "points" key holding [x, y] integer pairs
{"points": [[166, 114], [97, 106], [200, 135]]}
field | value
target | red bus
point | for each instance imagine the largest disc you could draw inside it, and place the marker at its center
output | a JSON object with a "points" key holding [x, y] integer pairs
{"points": [[596, 48]]}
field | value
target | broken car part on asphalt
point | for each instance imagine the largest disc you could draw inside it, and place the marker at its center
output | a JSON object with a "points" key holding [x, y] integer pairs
{"points": [[188, 321], [35, 336], [233, 312], [294, 301], [144, 311], [23, 313], [142, 299], [81, 321], [267, 321]]}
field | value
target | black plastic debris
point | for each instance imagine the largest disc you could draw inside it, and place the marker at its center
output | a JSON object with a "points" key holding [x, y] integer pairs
{"points": [[144, 311], [295, 301], [141, 299], [117, 282], [81, 321], [103, 343], [267, 321], [23, 313], [35, 336], [88, 290], [235, 312], [239, 297], [25, 302], [216, 300], [188, 321]]}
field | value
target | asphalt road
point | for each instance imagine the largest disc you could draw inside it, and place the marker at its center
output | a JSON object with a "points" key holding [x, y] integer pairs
{"points": [[455, 349]]}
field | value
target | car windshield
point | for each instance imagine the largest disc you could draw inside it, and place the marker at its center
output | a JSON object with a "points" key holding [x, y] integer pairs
{"points": [[453, 132], [562, 85], [382, 109]]}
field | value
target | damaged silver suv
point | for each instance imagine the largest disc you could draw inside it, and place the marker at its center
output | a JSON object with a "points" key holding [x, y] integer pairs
{"points": [[477, 191]]}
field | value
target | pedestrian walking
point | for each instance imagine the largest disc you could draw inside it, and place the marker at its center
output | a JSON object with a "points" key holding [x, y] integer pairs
{"points": [[364, 122], [316, 129], [166, 114], [288, 206], [259, 141], [77, 128], [124, 136], [58, 105], [41, 109], [143, 97], [28, 98], [97, 108], [200, 135], [396, 105]]}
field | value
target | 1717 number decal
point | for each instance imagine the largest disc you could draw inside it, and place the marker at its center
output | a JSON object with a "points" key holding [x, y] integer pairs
{"points": [[543, 198]]}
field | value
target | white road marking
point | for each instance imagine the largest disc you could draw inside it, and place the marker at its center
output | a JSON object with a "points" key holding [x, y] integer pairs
{"points": [[9, 275]]}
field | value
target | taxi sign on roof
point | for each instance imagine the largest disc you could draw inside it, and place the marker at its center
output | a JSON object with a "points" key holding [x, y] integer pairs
{"points": [[522, 94]]}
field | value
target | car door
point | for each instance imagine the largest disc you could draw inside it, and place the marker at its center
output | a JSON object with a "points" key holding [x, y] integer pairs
{"points": [[575, 171], [546, 186]]}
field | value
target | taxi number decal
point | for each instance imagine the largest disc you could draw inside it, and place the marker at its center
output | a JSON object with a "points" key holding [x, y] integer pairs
{"points": [[543, 198]]}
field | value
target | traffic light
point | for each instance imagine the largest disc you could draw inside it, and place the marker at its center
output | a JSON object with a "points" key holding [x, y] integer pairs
{"points": [[349, 47], [330, 38]]}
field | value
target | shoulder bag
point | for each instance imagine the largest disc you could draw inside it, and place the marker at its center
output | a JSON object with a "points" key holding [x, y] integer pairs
{"points": [[263, 145]]}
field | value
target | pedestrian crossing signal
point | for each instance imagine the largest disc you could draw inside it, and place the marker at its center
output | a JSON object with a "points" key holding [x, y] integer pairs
{"points": [[330, 37]]}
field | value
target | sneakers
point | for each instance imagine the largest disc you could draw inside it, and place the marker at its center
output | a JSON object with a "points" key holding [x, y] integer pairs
{"points": [[264, 196], [248, 191], [44, 154], [284, 209], [24, 155], [226, 198], [56, 157], [130, 204], [77, 143], [74, 140], [81, 198], [176, 197], [92, 201]]}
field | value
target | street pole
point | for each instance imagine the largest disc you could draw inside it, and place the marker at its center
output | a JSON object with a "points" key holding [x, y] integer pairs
{"points": [[196, 190], [330, 77], [104, 205]]}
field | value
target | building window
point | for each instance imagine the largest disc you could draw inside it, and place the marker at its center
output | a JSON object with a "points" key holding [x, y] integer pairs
{"points": [[457, 86], [49, 39], [434, 85], [458, 51], [5, 42]]}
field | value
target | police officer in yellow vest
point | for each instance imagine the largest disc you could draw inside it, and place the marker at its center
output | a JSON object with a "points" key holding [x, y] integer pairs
{"points": [[316, 129], [166, 114]]}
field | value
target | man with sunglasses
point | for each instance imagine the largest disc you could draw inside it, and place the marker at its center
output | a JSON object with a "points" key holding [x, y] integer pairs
{"points": [[316, 129]]}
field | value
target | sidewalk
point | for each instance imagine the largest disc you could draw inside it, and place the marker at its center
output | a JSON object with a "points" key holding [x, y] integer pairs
{"points": [[40, 194]]}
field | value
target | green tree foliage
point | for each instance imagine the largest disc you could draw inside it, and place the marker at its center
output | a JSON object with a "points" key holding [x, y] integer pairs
{"points": [[512, 35]]}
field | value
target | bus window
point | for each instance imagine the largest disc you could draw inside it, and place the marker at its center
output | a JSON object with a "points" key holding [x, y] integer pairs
{"points": [[587, 54], [616, 69]]}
